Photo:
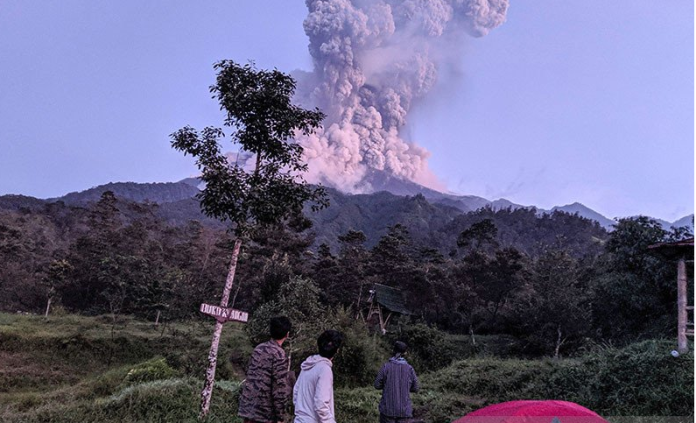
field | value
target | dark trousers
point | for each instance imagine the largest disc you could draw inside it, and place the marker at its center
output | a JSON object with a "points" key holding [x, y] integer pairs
{"points": [[389, 419]]}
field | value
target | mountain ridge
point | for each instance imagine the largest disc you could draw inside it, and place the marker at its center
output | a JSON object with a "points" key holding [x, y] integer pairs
{"points": [[168, 193]]}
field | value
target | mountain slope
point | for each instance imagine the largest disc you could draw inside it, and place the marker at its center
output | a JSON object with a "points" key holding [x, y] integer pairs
{"points": [[586, 212], [153, 192], [361, 211]]}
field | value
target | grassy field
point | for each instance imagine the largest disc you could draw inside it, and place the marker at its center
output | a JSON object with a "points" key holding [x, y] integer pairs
{"points": [[82, 369]]}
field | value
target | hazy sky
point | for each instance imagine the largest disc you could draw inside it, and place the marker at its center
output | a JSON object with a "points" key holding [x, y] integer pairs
{"points": [[574, 100]]}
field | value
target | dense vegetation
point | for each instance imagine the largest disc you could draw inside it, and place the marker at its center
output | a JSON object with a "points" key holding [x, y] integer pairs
{"points": [[556, 282], [494, 295], [76, 369]]}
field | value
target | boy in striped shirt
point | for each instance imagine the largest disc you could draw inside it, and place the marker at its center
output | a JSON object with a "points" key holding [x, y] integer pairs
{"points": [[396, 379]]}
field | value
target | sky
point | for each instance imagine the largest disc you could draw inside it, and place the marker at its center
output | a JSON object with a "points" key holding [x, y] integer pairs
{"points": [[588, 101]]}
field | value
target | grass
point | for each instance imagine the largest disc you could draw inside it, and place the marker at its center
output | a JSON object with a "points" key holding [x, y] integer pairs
{"points": [[70, 369]]}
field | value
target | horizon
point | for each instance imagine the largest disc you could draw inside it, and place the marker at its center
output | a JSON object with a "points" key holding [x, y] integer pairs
{"points": [[550, 209], [559, 104]]}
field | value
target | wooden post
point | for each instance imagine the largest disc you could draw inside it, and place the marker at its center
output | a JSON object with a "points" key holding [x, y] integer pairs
{"points": [[48, 307], [207, 392], [682, 345]]}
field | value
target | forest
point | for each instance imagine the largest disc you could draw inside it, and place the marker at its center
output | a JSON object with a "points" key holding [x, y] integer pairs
{"points": [[555, 282]]}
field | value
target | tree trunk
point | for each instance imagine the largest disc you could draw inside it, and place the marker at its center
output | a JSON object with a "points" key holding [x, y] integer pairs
{"points": [[358, 314], [48, 307], [471, 335], [212, 356], [558, 343], [157, 318]]}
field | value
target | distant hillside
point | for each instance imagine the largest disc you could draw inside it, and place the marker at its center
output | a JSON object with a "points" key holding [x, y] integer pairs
{"points": [[684, 221], [586, 212], [374, 213], [394, 200], [380, 181], [153, 192], [16, 202]]}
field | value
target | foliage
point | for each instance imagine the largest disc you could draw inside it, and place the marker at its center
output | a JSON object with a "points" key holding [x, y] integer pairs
{"points": [[609, 380], [120, 257], [362, 354], [154, 369], [556, 310], [636, 291], [478, 235], [642, 379], [257, 104], [298, 299], [429, 348]]}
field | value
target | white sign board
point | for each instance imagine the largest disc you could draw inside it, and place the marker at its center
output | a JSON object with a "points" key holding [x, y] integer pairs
{"points": [[224, 314]]}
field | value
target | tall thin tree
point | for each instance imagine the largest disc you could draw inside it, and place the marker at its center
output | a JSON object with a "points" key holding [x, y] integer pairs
{"points": [[257, 105]]}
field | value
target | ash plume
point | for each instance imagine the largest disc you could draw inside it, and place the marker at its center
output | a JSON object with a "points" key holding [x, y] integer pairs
{"points": [[373, 59]]}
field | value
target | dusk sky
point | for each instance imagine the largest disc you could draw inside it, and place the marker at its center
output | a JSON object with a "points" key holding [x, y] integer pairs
{"points": [[575, 100]]}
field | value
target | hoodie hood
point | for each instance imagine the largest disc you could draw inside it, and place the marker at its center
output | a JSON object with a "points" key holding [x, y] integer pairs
{"points": [[314, 360], [398, 360]]}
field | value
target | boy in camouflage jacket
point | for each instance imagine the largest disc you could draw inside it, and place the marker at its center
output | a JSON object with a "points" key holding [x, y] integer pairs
{"points": [[266, 390]]}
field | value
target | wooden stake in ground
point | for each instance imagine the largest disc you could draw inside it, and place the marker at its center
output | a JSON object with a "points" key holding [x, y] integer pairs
{"points": [[682, 345]]}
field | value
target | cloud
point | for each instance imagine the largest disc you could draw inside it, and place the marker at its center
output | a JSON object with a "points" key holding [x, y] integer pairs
{"points": [[372, 61]]}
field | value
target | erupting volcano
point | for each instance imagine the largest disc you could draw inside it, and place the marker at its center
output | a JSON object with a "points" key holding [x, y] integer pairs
{"points": [[372, 61]]}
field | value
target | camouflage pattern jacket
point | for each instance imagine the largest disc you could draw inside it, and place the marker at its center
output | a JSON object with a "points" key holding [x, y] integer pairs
{"points": [[266, 390]]}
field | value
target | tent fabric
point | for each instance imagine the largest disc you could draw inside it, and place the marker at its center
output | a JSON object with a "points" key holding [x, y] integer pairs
{"points": [[548, 411]]}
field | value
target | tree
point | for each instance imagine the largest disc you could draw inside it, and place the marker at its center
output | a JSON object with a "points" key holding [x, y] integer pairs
{"points": [[478, 235], [494, 280], [636, 292], [298, 299], [557, 311], [56, 277], [342, 278], [257, 104]]}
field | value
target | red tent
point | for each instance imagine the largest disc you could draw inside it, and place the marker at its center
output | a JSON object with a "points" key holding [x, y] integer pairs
{"points": [[549, 411]]}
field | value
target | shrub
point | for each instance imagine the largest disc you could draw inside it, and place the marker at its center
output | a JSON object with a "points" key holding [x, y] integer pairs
{"points": [[298, 299], [154, 369], [429, 348], [642, 379], [362, 354]]}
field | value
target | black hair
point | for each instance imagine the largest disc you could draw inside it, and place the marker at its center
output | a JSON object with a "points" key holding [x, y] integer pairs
{"points": [[280, 327], [400, 347], [329, 342]]}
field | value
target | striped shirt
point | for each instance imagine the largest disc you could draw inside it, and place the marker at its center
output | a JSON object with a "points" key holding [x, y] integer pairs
{"points": [[396, 379]]}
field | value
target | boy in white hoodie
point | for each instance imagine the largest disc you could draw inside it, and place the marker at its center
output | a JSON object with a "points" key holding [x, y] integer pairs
{"points": [[313, 392]]}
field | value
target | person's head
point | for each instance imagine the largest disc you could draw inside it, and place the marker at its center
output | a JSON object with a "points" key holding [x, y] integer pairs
{"points": [[329, 342], [280, 327], [400, 348]]}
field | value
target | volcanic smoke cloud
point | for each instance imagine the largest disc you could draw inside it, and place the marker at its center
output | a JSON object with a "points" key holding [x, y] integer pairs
{"points": [[372, 60]]}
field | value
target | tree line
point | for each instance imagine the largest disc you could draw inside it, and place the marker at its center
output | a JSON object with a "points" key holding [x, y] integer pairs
{"points": [[554, 281]]}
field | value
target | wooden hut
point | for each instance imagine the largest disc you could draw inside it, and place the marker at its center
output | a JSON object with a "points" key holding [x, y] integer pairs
{"points": [[682, 252], [385, 302]]}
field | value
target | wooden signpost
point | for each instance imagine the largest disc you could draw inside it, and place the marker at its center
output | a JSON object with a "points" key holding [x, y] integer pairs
{"points": [[223, 315]]}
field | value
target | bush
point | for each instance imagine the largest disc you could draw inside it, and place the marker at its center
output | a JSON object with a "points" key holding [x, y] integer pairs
{"points": [[642, 379], [171, 400], [429, 348], [362, 354], [154, 369], [298, 299]]}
